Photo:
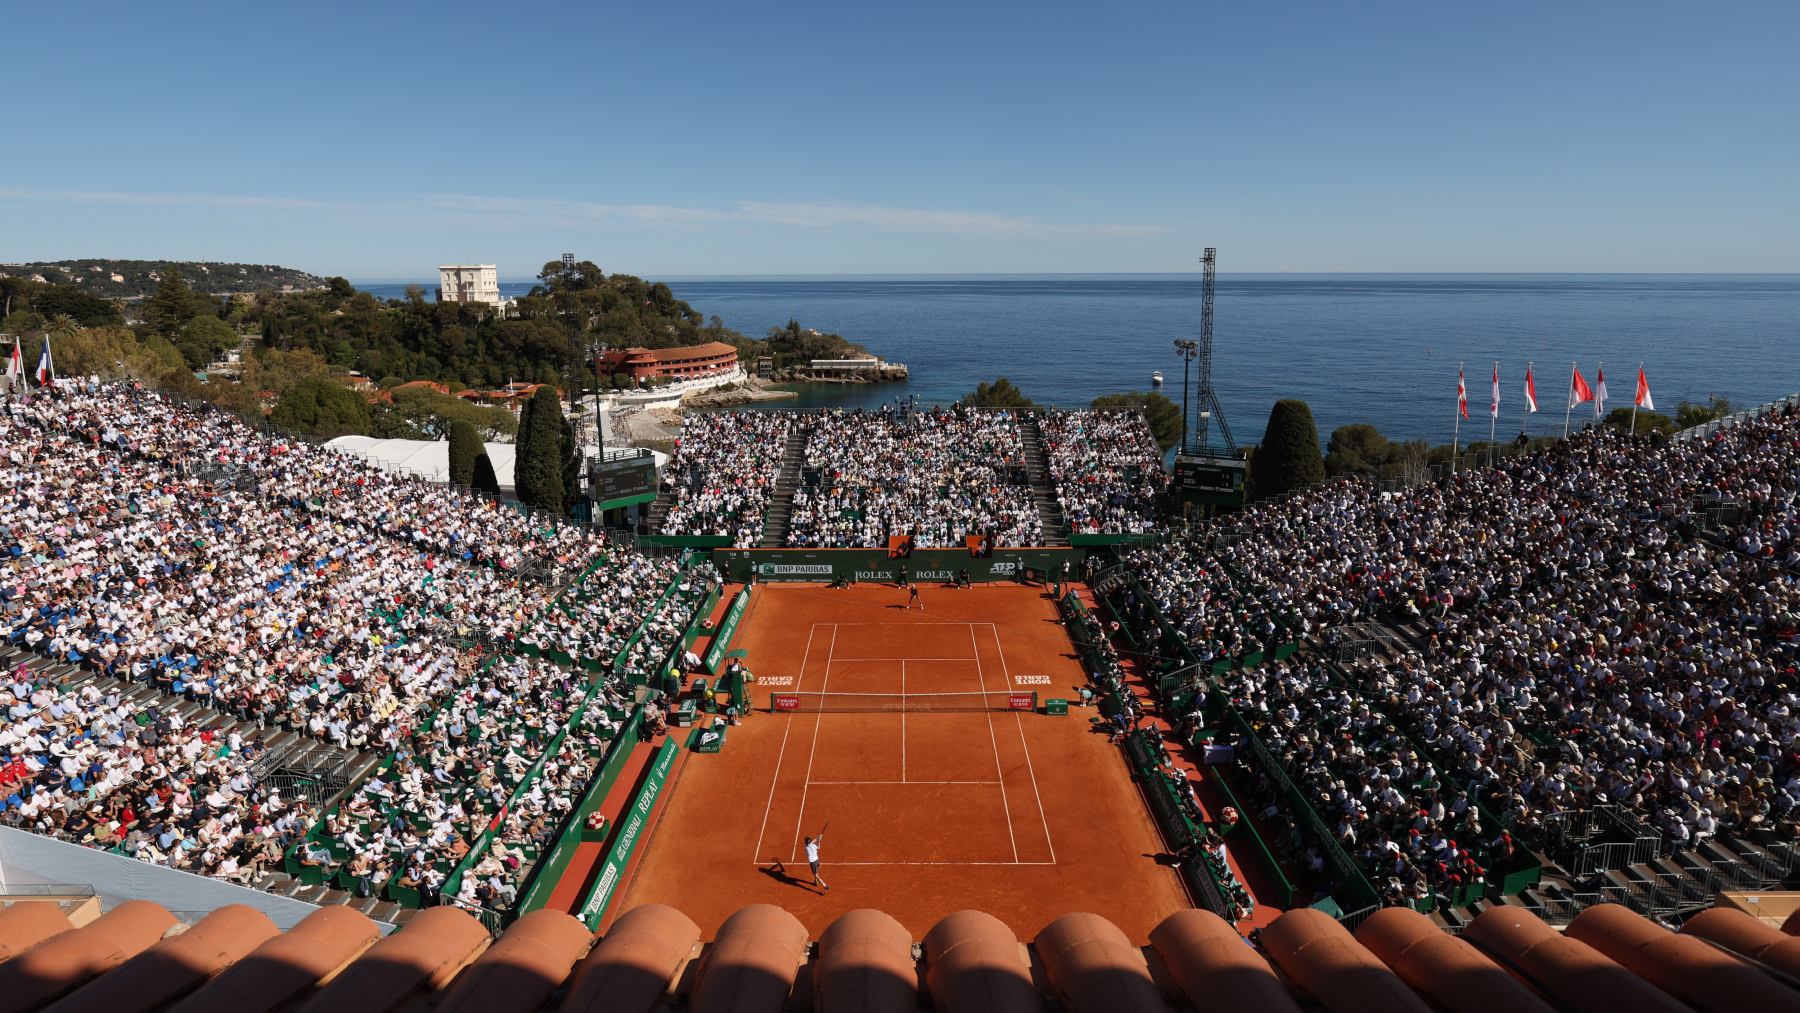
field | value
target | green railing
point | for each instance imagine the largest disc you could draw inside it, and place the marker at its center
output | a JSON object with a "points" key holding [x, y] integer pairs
{"points": [[552, 866], [630, 831]]}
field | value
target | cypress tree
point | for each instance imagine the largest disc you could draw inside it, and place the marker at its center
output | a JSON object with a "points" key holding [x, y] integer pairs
{"points": [[465, 446], [538, 464], [1289, 457], [484, 479]]}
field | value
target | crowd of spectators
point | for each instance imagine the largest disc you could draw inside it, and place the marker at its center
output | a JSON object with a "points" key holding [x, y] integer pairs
{"points": [[939, 475], [1108, 470], [145, 540], [1606, 622], [82, 763], [723, 473]]}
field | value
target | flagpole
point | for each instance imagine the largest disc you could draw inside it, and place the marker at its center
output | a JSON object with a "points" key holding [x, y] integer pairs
{"points": [[1525, 417], [1634, 397], [1570, 410], [1462, 398], [1494, 413], [1599, 389]]}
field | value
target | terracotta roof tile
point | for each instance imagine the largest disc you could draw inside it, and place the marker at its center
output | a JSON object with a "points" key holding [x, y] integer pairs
{"points": [[1747, 937], [636, 963], [1321, 956], [1683, 966], [28, 923], [176, 966], [65, 962], [137, 958], [290, 966]]}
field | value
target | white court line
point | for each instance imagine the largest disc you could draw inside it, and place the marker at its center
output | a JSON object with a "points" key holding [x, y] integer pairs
{"points": [[903, 720], [940, 863], [905, 659], [757, 857], [818, 719], [1007, 808], [907, 782], [1020, 722]]}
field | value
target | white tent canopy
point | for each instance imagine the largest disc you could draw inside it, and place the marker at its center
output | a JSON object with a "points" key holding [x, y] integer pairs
{"points": [[430, 460], [427, 459]]}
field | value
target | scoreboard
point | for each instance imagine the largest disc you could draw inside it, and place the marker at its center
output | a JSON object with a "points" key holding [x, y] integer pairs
{"points": [[1208, 478], [622, 481]]}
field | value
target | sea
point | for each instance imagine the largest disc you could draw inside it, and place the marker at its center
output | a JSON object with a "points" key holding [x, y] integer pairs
{"points": [[1378, 348]]}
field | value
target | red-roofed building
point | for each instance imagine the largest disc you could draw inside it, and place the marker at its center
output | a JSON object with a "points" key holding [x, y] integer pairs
{"points": [[642, 364]]}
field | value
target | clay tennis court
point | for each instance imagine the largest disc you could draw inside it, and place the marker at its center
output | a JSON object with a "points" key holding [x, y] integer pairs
{"points": [[938, 797]]}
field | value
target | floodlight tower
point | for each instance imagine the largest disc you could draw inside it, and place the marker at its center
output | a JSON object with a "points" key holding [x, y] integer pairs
{"points": [[1206, 400]]}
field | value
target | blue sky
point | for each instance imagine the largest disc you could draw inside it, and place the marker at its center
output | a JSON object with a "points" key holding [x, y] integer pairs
{"points": [[730, 138]]}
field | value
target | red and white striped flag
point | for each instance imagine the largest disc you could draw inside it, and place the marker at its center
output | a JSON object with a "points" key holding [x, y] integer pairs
{"points": [[1530, 392], [1642, 398], [1494, 404], [1579, 391], [1462, 394], [15, 365], [1599, 390]]}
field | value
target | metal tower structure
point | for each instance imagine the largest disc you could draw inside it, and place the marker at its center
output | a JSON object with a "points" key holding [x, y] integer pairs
{"points": [[1206, 401]]}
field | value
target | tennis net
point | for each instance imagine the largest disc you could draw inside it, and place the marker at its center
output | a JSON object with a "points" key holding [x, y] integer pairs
{"points": [[901, 703]]}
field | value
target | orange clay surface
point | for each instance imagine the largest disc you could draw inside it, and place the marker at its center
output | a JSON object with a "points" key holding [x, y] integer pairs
{"points": [[1025, 816]]}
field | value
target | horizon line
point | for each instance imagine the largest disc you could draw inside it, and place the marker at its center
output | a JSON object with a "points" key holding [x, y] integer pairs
{"points": [[399, 280]]}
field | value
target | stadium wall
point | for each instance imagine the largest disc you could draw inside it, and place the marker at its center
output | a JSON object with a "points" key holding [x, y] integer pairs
{"points": [[551, 868], [27, 858], [925, 566]]}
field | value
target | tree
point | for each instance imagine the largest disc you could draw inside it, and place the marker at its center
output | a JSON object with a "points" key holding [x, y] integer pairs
{"points": [[173, 304], [538, 459], [1289, 457], [465, 447], [1647, 421], [484, 480], [571, 466], [1688, 414], [999, 394], [1160, 413], [322, 408], [204, 339], [1357, 449]]}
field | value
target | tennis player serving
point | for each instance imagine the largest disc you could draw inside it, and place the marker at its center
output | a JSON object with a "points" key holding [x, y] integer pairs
{"points": [[812, 859]]}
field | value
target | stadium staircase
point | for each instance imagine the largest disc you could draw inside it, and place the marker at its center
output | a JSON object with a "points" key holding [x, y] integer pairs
{"points": [[290, 757], [781, 506], [1043, 490], [1605, 854], [658, 510]]}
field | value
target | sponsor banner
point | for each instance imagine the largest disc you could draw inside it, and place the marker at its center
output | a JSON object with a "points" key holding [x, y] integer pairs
{"points": [[721, 642], [631, 829], [785, 701], [795, 569], [1021, 701]]}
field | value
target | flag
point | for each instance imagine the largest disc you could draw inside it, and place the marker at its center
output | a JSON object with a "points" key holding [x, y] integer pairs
{"points": [[1530, 393], [1494, 404], [1579, 391], [15, 365], [1599, 391], [1642, 398], [44, 371], [1462, 394]]}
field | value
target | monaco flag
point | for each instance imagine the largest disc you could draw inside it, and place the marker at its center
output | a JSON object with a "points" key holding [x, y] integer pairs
{"points": [[1642, 399], [15, 365], [1494, 404], [1599, 390], [1530, 392], [1579, 391], [1462, 394]]}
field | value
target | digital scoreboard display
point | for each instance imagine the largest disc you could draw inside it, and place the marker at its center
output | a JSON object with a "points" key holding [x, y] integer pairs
{"points": [[1203, 478], [629, 478]]}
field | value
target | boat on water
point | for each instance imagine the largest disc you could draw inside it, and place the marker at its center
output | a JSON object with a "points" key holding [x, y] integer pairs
{"points": [[1156, 378]]}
